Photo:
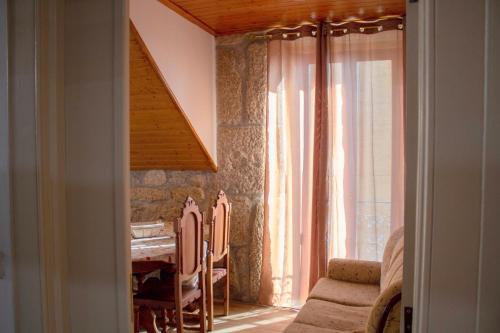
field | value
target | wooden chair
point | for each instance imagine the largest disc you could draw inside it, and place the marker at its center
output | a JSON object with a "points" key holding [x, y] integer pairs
{"points": [[164, 296], [219, 226]]}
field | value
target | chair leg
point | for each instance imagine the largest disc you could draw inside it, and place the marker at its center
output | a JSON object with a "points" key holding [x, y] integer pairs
{"points": [[148, 319], [164, 325], [226, 287], [226, 297], [210, 293], [178, 307], [171, 317], [136, 319], [203, 302], [179, 321]]}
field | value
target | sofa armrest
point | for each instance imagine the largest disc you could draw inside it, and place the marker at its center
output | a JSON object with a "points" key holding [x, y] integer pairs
{"points": [[385, 315], [358, 271]]}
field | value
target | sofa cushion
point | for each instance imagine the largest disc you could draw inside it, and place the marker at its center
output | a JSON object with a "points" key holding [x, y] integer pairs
{"points": [[346, 293], [333, 316], [303, 328]]}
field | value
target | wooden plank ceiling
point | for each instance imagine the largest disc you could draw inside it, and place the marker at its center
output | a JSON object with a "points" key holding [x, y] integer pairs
{"points": [[161, 136], [238, 16]]}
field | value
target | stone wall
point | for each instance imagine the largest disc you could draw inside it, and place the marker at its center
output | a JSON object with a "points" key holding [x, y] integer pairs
{"points": [[158, 193], [241, 104]]}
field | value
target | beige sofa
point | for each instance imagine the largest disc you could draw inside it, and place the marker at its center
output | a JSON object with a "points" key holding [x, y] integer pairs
{"points": [[357, 296]]}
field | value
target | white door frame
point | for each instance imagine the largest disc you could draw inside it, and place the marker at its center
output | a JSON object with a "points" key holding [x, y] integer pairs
{"points": [[56, 183], [96, 169], [424, 176], [6, 278], [419, 159]]}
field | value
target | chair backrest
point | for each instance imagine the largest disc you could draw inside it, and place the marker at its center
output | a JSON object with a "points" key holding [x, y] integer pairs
{"points": [[189, 241], [219, 227]]}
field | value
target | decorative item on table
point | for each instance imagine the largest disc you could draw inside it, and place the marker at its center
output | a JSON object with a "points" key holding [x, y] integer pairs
{"points": [[147, 229]]}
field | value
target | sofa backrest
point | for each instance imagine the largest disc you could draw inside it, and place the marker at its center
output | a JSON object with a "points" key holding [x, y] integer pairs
{"points": [[392, 261], [391, 279]]}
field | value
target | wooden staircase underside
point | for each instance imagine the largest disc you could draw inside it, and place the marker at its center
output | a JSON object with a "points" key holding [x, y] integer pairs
{"points": [[161, 136]]}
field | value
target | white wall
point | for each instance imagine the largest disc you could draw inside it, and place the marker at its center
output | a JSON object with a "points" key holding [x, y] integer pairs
{"points": [[185, 54]]}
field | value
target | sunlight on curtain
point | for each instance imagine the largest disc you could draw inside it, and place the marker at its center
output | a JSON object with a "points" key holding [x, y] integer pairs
{"points": [[290, 164], [365, 175], [367, 143], [338, 231]]}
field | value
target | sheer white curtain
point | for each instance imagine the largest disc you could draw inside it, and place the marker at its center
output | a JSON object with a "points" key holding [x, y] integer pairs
{"points": [[290, 138], [365, 155], [365, 87]]}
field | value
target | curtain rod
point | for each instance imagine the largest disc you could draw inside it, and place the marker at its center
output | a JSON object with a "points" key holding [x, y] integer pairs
{"points": [[339, 28]]}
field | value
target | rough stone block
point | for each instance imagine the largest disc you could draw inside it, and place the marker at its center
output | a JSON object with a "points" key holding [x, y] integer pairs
{"points": [[136, 178], [256, 87], [241, 152], [147, 194], [255, 255], [154, 178], [198, 180], [234, 281], [179, 194], [230, 40], [241, 272], [177, 177], [240, 220], [229, 86], [148, 212]]}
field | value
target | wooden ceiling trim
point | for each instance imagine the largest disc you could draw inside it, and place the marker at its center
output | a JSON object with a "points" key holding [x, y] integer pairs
{"points": [[155, 134], [241, 16], [188, 16]]}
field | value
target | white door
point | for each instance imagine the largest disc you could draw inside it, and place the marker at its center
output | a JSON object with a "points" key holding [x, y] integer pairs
{"points": [[453, 81]]}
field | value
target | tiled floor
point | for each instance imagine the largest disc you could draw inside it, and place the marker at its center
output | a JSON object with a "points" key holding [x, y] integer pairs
{"points": [[248, 318]]}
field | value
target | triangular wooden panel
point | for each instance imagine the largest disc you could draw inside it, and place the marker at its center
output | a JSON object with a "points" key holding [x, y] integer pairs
{"points": [[161, 137]]}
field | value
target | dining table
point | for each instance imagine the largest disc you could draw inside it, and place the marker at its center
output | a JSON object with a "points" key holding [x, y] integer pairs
{"points": [[154, 253], [160, 248]]}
